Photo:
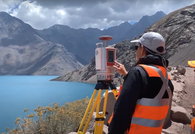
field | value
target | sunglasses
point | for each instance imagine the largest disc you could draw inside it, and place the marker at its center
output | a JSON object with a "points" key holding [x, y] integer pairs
{"points": [[137, 46]]}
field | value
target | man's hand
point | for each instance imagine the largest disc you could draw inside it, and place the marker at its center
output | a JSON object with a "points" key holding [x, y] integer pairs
{"points": [[120, 68]]}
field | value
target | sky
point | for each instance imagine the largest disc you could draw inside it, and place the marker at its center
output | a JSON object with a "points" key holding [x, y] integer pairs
{"points": [[41, 14]]}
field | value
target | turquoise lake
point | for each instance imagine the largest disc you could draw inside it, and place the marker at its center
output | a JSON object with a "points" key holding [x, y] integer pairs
{"points": [[29, 92]]}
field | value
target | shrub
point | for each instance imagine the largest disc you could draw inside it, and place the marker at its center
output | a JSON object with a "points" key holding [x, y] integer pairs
{"points": [[52, 119]]}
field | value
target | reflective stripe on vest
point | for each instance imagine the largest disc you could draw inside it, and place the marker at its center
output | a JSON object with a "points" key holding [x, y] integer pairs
{"points": [[150, 114]]}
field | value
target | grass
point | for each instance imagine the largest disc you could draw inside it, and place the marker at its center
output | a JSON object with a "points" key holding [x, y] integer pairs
{"points": [[52, 119]]}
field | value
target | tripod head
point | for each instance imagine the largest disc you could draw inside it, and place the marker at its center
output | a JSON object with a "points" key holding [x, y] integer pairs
{"points": [[104, 59]]}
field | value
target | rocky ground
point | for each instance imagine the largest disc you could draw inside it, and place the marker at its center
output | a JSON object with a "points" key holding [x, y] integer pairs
{"points": [[183, 79]]}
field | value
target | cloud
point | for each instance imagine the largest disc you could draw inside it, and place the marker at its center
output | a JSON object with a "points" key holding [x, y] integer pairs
{"points": [[42, 14], [8, 5], [38, 16]]}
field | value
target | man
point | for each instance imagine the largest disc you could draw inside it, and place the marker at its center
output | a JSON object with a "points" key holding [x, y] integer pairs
{"points": [[143, 103]]}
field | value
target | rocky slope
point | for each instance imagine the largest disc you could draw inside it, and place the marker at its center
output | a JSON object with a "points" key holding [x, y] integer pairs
{"points": [[182, 101], [178, 30], [42, 58], [23, 52]]}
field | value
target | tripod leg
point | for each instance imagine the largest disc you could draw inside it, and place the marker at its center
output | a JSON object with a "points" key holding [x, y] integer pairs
{"points": [[100, 117], [92, 110], [105, 101], [87, 111]]}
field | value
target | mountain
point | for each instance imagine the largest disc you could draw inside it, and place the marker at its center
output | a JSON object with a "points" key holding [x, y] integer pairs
{"points": [[127, 31], [72, 39], [178, 30], [143, 23], [56, 50], [118, 32], [24, 52], [85, 39]]}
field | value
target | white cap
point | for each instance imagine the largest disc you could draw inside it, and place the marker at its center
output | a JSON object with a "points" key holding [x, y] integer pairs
{"points": [[153, 41]]}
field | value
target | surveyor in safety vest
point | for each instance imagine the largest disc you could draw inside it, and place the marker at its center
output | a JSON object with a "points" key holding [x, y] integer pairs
{"points": [[143, 103]]}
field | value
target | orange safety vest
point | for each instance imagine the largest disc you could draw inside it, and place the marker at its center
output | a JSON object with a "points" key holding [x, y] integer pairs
{"points": [[192, 126], [150, 113]]}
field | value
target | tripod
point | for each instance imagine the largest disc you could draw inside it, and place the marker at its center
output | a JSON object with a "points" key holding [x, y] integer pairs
{"points": [[100, 116]]}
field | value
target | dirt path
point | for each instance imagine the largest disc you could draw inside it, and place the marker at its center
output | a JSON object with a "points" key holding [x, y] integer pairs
{"points": [[188, 98]]}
